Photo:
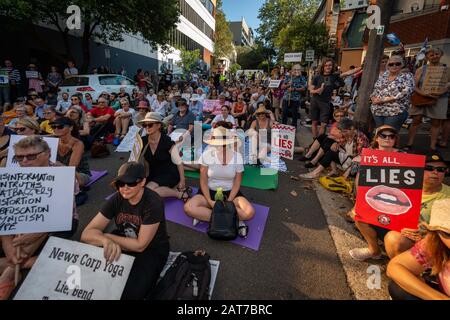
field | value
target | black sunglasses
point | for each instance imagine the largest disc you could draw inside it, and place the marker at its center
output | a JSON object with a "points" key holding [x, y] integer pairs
{"points": [[32, 156], [57, 126], [148, 125], [397, 64], [386, 136], [438, 169], [121, 184]]}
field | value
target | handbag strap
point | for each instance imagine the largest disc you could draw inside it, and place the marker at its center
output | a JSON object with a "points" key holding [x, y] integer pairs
{"points": [[422, 76]]}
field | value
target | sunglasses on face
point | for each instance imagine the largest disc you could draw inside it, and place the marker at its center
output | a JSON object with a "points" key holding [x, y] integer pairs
{"points": [[22, 129], [148, 125], [57, 126], [438, 169], [120, 184], [31, 156], [74, 99], [397, 64], [386, 136]]}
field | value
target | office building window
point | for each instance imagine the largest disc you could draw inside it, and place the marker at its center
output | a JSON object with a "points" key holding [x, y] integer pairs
{"points": [[194, 18]]}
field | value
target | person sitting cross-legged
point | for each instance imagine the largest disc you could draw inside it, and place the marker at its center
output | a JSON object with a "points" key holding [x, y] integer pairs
{"points": [[141, 230], [398, 242], [221, 167]]}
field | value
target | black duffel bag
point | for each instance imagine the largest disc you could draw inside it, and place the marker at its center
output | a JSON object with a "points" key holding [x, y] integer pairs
{"points": [[224, 223]]}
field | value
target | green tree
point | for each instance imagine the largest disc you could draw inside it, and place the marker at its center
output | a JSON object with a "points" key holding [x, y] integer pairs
{"points": [[223, 38], [255, 57], [234, 68], [287, 25], [101, 20], [189, 60]]}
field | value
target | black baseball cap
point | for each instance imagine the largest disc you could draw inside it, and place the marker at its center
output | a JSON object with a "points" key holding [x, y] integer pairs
{"points": [[63, 121], [130, 172], [434, 157]]}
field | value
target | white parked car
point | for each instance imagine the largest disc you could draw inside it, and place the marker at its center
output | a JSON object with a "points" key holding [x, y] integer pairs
{"points": [[95, 84]]}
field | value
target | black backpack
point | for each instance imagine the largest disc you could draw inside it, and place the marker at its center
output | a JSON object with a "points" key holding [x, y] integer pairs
{"points": [[224, 222], [187, 279]]}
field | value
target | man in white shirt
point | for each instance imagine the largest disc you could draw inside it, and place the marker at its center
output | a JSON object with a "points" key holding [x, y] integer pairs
{"points": [[63, 105], [70, 70], [151, 96]]}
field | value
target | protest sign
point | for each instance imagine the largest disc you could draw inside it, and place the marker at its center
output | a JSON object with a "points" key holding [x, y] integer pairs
{"points": [[37, 199], [52, 143], [69, 270], [309, 56], [389, 191], [209, 105], [138, 146], [32, 74], [293, 57], [436, 78], [4, 79], [274, 84], [214, 270], [283, 139], [126, 145]]}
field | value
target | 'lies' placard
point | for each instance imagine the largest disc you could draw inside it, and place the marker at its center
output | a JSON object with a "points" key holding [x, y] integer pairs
{"points": [[389, 191]]}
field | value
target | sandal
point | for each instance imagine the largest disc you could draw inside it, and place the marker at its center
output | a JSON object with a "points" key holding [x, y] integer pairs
{"points": [[186, 194], [243, 231]]}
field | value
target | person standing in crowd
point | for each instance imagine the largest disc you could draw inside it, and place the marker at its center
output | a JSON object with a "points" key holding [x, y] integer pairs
{"points": [[423, 272], [71, 149], [168, 78], [71, 70], [398, 242], [54, 79], [35, 80], [277, 94], [123, 118], [31, 151], [321, 90], [141, 82], [391, 97], [221, 167], [138, 213], [437, 110], [103, 118], [10, 91], [166, 171]]}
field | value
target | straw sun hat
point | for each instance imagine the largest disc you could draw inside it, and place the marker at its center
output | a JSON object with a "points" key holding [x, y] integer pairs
{"points": [[221, 137]]}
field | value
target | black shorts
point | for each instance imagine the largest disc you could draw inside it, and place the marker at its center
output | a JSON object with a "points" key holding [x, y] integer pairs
{"points": [[381, 232], [165, 180], [212, 193], [320, 111]]}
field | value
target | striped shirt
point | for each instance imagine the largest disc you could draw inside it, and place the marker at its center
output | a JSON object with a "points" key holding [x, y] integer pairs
{"points": [[13, 74]]}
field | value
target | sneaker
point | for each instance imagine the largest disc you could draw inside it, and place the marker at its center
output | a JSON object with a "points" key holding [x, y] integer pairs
{"points": [[309, 165], [116, 141], [308, 176], [242, 229], [195, 222], [363, 254]]}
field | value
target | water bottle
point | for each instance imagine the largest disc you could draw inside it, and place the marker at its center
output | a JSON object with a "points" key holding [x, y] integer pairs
{"points": [[219, 195]]}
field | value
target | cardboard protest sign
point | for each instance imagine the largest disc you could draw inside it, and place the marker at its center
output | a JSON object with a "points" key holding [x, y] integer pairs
{"points": [[69, 270], [38, 199], [126, 145], [390, 189], [214, 270], [436, 78], [209, 105], [32, 74], [52, 143], [283, 141], [274, 84], [293, 57]]}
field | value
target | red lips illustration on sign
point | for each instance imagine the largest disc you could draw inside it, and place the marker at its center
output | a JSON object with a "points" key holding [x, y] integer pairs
{"points": [[388, 200]]}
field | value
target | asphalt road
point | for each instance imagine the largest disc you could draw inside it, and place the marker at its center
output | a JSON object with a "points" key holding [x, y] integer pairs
{"points": [[297, 258]]}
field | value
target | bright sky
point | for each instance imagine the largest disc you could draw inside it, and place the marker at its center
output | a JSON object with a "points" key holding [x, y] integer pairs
{"points": [[236, 9]]}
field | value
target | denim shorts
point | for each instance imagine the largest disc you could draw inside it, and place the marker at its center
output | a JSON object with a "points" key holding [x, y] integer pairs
{"points": [[393, 121]]}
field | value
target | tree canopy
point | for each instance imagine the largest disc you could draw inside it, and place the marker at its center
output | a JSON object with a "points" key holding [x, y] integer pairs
{"points": [[102, 20], [223, 38]]}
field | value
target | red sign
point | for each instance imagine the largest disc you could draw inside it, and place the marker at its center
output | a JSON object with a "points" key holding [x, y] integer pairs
{"points": [[389, 191]]}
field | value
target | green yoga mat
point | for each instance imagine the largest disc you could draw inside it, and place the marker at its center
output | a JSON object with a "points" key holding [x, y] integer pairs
{"points": [[253, 178]]}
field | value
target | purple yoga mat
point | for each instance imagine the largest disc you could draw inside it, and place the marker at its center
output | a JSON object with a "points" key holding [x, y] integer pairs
{"points": [[95, 176], [174, 211]]}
